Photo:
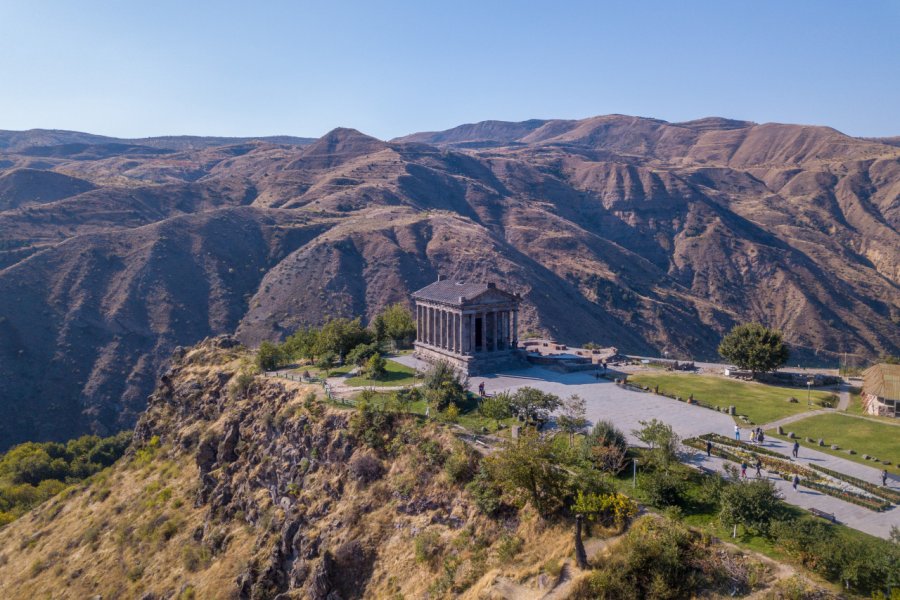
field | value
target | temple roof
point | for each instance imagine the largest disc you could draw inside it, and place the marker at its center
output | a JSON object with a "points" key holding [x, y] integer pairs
{"points": [[451, 291], [883, 380]]}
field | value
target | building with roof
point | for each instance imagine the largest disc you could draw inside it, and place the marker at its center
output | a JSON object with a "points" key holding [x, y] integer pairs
{"points": [[881, 390], [472, 326]]}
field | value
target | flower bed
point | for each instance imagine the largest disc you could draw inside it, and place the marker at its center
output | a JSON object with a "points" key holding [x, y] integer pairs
{"points": [[738, 453], [876, 490], [721, 439]]}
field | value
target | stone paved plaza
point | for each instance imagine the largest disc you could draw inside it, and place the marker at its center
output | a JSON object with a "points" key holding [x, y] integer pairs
{"points": [[626, 408]]}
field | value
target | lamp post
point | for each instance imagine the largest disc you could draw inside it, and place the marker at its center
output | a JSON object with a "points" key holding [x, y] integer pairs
{"points": [[809, 383], [634, 472]]}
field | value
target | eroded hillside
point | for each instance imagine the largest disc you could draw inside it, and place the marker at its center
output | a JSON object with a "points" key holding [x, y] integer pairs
{"points": [[646, 235]]}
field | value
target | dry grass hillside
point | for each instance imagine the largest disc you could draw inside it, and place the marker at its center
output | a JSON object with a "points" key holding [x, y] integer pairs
{"points": [[638, 233], [242, 487]]}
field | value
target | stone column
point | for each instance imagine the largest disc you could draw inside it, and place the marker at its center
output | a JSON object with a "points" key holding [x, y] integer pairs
{"points": [[515, 331], [471, 318]]}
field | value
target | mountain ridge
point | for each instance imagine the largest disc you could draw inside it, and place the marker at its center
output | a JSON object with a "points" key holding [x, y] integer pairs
{"points": [[631, 232]]}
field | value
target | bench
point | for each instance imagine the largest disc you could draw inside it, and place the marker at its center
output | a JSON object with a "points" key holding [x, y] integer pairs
{"points": [[823, 514]]}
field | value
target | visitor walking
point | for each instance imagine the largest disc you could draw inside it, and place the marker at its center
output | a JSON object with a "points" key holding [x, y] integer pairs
{"points": [[796, 481], [744, 470], [481, 389], [758, 468], [761, 437], [883, 476], [708, 448], [737, 433], [796, 451]]}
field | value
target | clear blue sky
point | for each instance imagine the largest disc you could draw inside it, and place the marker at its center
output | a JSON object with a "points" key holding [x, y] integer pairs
{"points": [[136, 68]]}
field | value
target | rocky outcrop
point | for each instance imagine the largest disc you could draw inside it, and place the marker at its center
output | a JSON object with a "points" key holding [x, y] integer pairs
{"points": [[286, 465]]}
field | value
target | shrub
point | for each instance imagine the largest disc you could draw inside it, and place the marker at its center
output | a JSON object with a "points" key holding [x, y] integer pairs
{"points": [[656, 559], [429, 548], [443, 386], [360, 355], [376, 367], [241, 384], [269, 356], [662, 488], [485, 492], [196, 557], [461, 464], [365, 468], [508, 547], [371, 425], [752, 504]]}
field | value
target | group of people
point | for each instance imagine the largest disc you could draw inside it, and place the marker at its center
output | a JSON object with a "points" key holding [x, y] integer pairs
{"points": [[756, 435], [757, 466]]}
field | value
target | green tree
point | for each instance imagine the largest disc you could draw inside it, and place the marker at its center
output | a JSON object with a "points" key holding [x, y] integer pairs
{"points": [[443, 386], [751, 504], [754, 348], [302, 344], [326, 362], [529, 470], [340, 336], [533, 405], [360, 355], [269, 356], [375, 367], [606, 447], [399, 326], [572, 417], [496, 407], [660, 439]]}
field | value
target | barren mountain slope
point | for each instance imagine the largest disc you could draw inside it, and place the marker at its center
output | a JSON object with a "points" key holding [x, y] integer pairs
{"points": [[632, 232]]}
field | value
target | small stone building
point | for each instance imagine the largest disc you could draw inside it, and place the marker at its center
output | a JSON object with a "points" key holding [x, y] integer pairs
{"points": [[881, 390], [473, 326]]}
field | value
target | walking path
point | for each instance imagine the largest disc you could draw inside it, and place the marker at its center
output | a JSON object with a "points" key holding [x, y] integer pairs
{"points": [[627, 408], [874, 523], [793, 418], [808, 456], [844, 395]]}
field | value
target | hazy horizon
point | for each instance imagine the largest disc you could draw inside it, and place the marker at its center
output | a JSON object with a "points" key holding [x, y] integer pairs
{"points": [[302, 69]]}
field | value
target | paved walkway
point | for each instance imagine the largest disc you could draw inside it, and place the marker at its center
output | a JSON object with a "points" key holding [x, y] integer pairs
{"points": [[606, 400], [857, 517], [808, 456], [626, 408], [844, 395], [792, 419]]}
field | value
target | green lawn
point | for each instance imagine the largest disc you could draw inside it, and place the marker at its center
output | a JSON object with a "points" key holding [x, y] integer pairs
{"points": [[395, 374], [880, 440], [761, 403]]}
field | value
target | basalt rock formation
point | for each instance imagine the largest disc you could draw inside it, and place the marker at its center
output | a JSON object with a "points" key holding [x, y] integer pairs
{"points": [[638, 233]]}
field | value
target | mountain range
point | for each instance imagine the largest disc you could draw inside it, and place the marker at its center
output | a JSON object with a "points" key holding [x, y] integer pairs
{"points": [[632, 232]]}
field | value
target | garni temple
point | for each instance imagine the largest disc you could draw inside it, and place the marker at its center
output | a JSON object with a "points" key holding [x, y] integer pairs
{"points": [[472, 326]]}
